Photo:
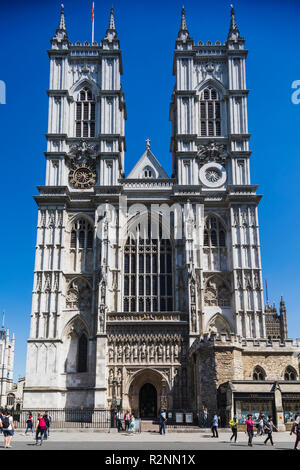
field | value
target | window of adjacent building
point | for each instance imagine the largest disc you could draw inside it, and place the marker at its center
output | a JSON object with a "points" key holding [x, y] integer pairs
{"points": [[148, 275], [290, 374], [259, 374], [210, 113], [85, 114]]}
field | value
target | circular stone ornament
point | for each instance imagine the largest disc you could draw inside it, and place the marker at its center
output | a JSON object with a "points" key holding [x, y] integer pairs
{"points": [[212, 175]]}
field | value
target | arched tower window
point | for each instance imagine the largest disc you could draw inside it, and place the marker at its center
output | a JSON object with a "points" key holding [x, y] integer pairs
{"points": [[214, 233], [148, 275], [82, 354], [82, 235], [85, 114], [290, 373], [259, 373], [210, 113]]}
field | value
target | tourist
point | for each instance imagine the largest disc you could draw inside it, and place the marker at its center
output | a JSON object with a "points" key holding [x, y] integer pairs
{"points": [[260, 425], [48, 420], [127, 417], [119, 421], [269, 426], [41, 427], [162, 422], [1, 414], [29, 423], [233, 424], [250, 426], [7, 425], [296, 430], [204, 417], [214, 426], [131, 427]]}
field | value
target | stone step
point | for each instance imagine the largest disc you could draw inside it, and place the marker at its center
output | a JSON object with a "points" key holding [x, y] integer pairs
{"points": [[148, 425]]}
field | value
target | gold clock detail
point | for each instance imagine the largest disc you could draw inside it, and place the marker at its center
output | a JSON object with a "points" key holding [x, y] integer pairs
{"points": [[82, 177]]}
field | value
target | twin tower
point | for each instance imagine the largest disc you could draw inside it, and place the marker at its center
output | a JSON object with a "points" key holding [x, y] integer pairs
{"points": [[116, 310]]}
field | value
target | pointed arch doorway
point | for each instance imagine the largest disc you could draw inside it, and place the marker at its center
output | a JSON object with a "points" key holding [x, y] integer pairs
{"points": [[148, 401]]}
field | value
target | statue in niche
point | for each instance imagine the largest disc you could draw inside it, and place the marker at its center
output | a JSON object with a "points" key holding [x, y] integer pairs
{"points": [[143, 351], [218, 326]]}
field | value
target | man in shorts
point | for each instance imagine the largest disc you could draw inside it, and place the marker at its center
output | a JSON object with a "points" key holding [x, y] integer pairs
{"points": [[7, 425]]}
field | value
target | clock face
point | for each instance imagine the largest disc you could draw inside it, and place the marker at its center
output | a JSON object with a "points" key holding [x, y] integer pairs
{"points": [[82, 178]]}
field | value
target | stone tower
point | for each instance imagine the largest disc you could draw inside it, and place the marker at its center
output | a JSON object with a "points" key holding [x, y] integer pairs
{"points": [[210, 147], [85, 150]]}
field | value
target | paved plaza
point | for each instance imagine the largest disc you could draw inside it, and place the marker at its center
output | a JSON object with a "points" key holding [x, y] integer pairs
{"points": [[110, 440]]}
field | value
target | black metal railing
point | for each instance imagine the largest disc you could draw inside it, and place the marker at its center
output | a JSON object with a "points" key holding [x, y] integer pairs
{"points": [[67, 418]]}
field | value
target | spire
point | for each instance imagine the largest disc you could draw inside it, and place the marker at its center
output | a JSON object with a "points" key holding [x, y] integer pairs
{"points": [[234, 32], [183, 33], [111, 33], [183, 26], [112, 19], [282, 306], [62, 23], [61, 32]]}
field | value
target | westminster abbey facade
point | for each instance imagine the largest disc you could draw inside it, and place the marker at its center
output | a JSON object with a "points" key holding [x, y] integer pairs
{"points": [[148, 289]]}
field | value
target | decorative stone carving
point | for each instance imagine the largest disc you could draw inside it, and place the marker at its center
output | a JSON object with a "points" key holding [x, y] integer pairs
{"points": [[79, 295], [212, 152], [217, 293]]}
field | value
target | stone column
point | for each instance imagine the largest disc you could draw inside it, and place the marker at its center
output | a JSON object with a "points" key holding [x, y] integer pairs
{"points": [[279, 408]]}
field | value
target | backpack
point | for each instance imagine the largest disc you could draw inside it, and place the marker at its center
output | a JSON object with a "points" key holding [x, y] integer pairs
{"points": [[46, 419], [42, 423], [5, 421], [298, 428]]}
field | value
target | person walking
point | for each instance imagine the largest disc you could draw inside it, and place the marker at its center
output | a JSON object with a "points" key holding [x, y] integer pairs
{"points": [[260, 426], [233, 424], [8, 428], [29, 423], [119, 421], [250, 427], [41, 427], [204, 417], [131, 426], [296, 430], [269, 426], [162, 422], [127, 417], [214, 426], [48, 420]]}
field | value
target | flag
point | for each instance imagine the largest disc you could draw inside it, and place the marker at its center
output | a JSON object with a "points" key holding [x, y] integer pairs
{"points": [[93, 12]]}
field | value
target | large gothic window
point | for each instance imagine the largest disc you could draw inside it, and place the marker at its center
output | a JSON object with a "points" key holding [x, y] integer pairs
{"points": [[148, 275], [82, 353], [85, 114], [210, 113]]}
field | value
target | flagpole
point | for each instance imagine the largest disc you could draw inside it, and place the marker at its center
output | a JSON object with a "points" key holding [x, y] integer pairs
{"points": [[93, 23]]}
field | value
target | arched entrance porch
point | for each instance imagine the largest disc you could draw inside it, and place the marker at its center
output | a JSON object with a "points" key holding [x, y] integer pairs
{"points": [[145, 392]]}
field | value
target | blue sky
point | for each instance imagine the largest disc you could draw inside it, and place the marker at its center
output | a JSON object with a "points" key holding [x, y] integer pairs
{"points": [[147, 31]]}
